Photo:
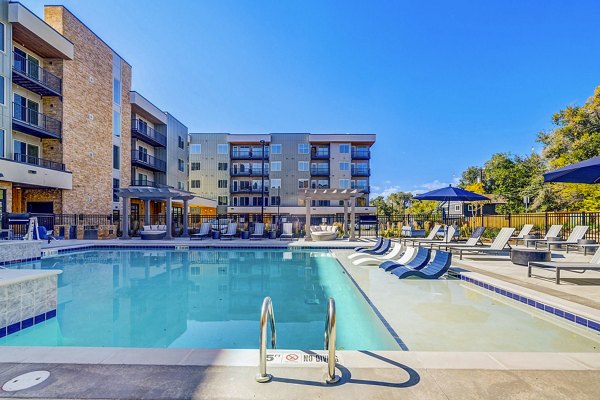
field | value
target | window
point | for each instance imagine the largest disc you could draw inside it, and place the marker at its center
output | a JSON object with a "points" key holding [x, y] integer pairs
{"points": [[116, 185], [302, 165], [344, 148], [276, 183], [116, 157], [25, 152], [303, 148], [1, 142], [222, 184], [2, 101], [222, 148], [222, 200], [195, 183], [181, 185], [275, 149], [2, 35], [275, 200], [222, 166], [344, 183], [195, 148], [302, 183], [180, 142], [116, 91], [344, 166], [180, 165], [195, 166], [116, 123], [276, 166], [457, 207], [142, 179]]}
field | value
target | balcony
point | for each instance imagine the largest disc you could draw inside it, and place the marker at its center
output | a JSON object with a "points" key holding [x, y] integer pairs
{"points": [[363, 188], [319, 171], [319, 154], [250, 155], [147, 183], [249, 190], [147, 161], [249, 172], [361, 154], [361, 172], [31, 76], [143, 132], [40, 162], [32, 122]]}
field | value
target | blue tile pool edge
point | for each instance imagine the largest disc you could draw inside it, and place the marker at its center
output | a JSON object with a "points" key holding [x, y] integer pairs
{"points": [[566, 315], [19, 261], [26, 323]]}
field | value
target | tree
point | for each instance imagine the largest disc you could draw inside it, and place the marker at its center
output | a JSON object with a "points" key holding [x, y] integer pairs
{"points": [[382, 207], [398, 201], [470, 176]]}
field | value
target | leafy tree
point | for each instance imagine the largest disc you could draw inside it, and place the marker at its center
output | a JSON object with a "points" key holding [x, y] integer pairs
{"points": [[382, 207], [399, 200], [470, 176]]}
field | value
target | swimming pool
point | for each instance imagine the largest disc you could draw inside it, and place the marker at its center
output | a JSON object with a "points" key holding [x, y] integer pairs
{"points": [[201, 299]]}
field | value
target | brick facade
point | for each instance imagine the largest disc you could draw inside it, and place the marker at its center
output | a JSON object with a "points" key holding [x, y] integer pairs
{"points": [[125, 124]]}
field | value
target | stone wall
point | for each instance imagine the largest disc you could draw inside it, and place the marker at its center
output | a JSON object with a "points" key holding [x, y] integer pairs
{"points": [[33, 195], [11, 251], [125, 124]]}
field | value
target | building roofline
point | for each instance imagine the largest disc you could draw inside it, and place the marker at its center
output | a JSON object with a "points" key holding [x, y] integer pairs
{"points": [[88, 28], [41, 19]]}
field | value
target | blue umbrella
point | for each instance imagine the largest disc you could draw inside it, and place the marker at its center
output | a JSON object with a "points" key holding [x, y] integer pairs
{"points": [[451, 193], [587, 171]]}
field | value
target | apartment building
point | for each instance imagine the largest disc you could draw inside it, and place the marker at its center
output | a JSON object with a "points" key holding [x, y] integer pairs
{"points": [[72, 132], [247, 173]]}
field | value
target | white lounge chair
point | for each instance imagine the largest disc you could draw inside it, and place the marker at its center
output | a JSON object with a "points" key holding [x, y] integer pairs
{"points": [[287, 231], [259, 231], [448, 235], [525, 230], [499, 244], [429, 237], [231, 231], [321, 233], [473, 240], [554, 231], [369, 259], [577, 233], [204, 231], [579, 267]]}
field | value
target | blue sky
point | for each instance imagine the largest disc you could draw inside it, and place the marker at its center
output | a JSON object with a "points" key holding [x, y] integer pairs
{"points": [[443, 84]]}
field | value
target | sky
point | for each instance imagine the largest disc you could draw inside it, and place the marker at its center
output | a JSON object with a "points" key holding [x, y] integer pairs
{"points": [[443, 84]]}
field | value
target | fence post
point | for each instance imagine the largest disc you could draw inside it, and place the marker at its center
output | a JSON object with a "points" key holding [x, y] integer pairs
{"points": [[509, 221], [546, 221]]}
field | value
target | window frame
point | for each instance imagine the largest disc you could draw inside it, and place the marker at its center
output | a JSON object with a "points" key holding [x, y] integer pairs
{"points": [[275, 163], [345, 152], [304, 163], [180, 165], [220, 146], [194, 145], [303, 145], [276, 146], [193, 181]]}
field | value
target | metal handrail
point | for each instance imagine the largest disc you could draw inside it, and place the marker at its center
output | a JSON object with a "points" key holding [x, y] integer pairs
{"points": [[330, 322], [266, 311]]}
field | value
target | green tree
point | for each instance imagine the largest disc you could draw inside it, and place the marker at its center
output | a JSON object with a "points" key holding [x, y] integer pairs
{"points": [[382, 207], [470, 176], [398, 200]]}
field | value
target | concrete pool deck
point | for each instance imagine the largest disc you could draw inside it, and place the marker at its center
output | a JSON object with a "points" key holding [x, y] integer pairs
{"points": [[229, 374]]}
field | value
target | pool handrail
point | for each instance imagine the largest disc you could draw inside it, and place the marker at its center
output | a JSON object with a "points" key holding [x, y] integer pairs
{"points": [[266, 312], [330, 335]]}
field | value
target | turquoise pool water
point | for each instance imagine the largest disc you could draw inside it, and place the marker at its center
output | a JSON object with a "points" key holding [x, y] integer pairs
{"points": [[201, 299]]}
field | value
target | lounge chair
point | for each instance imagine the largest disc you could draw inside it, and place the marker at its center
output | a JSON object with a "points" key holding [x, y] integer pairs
{"points": [[287, 231], [371, 259], [525, 230], [431, 236], [579, 267], [499, 244], [578, 233], [437, 267], [44, 234], [231, 231], [419, 260], [153, 232], [448, 235], [408, 256], [554, 231], [259, 231], [377, 245], [384, 248], [204, 231], [473, 240]]}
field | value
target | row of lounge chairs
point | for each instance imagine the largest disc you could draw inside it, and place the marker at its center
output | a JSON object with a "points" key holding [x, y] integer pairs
{"points": [[231, 231]]}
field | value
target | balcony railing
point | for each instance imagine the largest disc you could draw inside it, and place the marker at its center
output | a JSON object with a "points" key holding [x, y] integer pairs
{"points": [[249, 172], [30, 121], [361, 172], [147, 161], [40, 162], [249, 155], [148, 134], [147, 183], [31, 76], [319, 186], [249, 190], [361, 154], [319, 171], [320, 154]]}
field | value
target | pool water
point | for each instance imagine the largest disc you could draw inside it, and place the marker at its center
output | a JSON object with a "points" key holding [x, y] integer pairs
{"points": [[202, 299]]}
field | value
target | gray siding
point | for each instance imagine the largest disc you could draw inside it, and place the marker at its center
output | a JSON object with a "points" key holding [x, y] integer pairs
{"points": [[175, 130], [289, 158], [209, 175]]}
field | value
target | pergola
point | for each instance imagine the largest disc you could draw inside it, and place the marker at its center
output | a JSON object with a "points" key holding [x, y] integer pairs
{"points": [[147, 193], [345, 195]]}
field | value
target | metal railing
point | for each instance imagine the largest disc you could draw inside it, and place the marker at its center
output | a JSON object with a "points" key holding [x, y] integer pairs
{"points": [[319, 171], [361, 154], [40, 162], [141, 128], [249, 172], [249, 155], [148, 160], [249, 190], [266, 313], [147, 183], [361, 171], [37, 119], [330, 334], [33, 71]]}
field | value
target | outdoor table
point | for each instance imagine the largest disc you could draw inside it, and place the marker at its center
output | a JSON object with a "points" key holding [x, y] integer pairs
{"points": [[272, 235], [245, 235], [216, 235], [532, 236], [524, 256], [555, 239]]}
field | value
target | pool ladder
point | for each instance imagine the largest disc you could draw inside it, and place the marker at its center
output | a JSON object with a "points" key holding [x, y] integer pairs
{"points": [[266, 313]]}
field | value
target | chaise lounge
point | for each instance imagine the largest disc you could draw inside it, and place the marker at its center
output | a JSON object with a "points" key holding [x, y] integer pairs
{"points": [[437, 267], [153, 232], [323, 232], [578, 267]]}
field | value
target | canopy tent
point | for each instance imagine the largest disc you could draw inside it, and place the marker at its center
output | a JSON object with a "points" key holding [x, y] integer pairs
{"points": [[587, 171], [147, 193], [345, 195]]}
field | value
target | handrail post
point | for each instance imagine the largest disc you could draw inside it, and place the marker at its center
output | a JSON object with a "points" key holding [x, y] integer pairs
{"points": [[266, 312], [330, 323]]}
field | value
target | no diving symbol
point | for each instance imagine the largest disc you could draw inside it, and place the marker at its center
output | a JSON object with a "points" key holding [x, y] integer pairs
{"points": [[291, 357]]}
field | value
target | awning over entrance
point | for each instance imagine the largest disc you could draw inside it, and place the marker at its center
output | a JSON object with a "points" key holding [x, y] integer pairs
{"points": [[345, 195]]}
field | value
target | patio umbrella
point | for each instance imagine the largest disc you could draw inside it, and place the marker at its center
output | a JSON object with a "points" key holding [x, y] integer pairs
{"points": [[450, 193], [587, 171]]}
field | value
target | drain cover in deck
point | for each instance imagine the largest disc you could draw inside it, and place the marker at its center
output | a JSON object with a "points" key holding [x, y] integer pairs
{"points": [[25, 381]]}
